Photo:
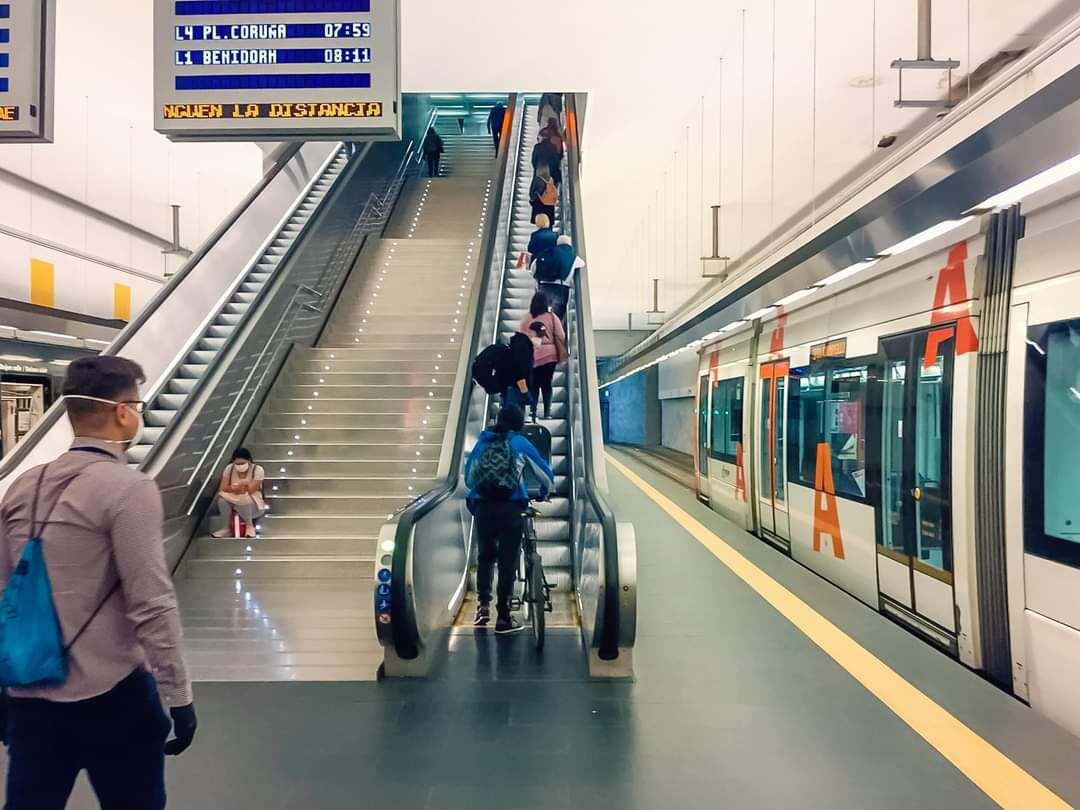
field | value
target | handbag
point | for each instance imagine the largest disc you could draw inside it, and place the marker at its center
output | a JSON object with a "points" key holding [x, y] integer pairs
{"points": [[561, 350]]}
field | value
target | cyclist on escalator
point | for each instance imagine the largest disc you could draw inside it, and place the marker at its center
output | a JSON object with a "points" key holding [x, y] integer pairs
{"points": [[495, 474]]}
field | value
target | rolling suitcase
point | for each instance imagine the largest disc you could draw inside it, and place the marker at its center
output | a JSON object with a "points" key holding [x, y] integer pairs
{"points": [[540, 437]]}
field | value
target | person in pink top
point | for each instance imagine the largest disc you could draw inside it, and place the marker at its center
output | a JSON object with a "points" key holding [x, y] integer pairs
{"points": [[549, 348]]}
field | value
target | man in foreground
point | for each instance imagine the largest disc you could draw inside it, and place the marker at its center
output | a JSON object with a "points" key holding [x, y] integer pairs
{"points": [[100, 525]]}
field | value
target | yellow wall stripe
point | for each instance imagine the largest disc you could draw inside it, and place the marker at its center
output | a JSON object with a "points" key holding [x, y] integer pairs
{"points": [[42, 283], [994, 773], [122, 302]]}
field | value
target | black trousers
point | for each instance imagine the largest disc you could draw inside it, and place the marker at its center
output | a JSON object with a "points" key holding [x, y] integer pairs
{"points": [[117, 737], [499, 529], [539, 208], [558, 296], [541, 382], [496, 136], [433, 165]]}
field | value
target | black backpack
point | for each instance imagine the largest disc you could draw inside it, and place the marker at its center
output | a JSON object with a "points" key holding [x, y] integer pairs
{"points": [[485, 368], [496, 472]]}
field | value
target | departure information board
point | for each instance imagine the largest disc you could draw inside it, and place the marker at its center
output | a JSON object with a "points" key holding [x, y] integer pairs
{"points": [[277, 69], [27, 32]]}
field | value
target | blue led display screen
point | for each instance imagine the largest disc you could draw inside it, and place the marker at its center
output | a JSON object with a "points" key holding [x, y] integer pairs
{"points": [[5, 38], [277, 81], [275, 56], [248, 69], [249, 31]]}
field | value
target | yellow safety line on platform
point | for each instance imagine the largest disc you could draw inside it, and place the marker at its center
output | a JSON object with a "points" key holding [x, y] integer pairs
{"points": [[994, 773]]}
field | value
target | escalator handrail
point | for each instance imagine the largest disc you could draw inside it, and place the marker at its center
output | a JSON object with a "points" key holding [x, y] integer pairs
{"points": [[590, 403], [12, 460], [200, 331], [406, 635]]}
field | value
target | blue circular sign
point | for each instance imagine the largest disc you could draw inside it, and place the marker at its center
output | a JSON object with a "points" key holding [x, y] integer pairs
{"points": [[384, 575]]}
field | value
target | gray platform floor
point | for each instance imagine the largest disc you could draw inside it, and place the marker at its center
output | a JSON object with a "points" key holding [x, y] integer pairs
{"points": [[733, 707]]}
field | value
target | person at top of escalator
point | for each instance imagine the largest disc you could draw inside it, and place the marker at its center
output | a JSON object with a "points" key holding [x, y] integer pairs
{"points": [[495, 123], [543, 194], [551, 106], [432, 147], [495, 474]]}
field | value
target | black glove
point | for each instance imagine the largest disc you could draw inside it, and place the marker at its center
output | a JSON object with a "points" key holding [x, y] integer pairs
{"points": [[184, 725], [4, 707]]}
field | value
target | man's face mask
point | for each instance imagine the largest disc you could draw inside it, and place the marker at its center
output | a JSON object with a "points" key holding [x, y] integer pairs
{"points": [[136, 408]]}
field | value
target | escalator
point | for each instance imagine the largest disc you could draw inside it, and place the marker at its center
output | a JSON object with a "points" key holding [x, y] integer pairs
{"points": [[426, 550]]}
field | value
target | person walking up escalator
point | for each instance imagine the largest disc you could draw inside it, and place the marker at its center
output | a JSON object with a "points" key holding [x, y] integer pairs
{"points": [[432, 148], [549, 349], [497, 495]]}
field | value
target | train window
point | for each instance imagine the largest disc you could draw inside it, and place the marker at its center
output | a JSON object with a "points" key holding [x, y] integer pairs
{"points": [[827, 404], [1052, 442], [727, 419]]}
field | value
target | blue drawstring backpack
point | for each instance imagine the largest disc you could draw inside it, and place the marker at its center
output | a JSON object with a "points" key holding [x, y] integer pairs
{"points": [[32, 649]]}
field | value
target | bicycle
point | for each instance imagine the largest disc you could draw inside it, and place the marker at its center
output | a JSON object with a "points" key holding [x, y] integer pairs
{"points": [[536, 592]]}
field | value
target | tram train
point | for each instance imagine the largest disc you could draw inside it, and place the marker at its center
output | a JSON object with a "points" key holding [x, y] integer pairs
{"points": [[849, 429]]}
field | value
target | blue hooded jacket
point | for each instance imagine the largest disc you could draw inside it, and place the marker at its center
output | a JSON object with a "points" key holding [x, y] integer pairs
{"points": [[535, 467]]}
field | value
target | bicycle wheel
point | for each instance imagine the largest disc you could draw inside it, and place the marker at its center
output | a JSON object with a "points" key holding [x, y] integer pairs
{"points": [[536, 604]]}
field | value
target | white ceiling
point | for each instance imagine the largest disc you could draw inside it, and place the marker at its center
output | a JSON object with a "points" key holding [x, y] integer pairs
{"points": [[802, 88]]}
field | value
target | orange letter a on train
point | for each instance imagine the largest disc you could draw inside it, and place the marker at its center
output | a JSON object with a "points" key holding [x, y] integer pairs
{"points": [[826, 518]]}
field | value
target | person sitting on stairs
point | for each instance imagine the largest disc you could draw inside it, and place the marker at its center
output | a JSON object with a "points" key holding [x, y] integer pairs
{"points": [[240, 494]]}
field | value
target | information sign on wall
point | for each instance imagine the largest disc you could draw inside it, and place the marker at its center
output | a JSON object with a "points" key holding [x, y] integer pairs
{"points": [[277, 69], [27, 33]]}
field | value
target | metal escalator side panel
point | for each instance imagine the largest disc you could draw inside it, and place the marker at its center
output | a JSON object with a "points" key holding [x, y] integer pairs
{"points": [[605, 550], [181, 304], [431, 537]]}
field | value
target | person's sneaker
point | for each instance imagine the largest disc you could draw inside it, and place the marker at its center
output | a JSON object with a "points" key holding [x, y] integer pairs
{"points": [[483, 616], [508, 625]]}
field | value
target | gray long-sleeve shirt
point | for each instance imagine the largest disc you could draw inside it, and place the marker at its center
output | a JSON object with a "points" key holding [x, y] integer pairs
{"points": [[105, 528]]}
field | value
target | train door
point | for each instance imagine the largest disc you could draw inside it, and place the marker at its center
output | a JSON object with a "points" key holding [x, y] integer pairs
{"points": [[914, 552], [703, 436], [772, 444]]}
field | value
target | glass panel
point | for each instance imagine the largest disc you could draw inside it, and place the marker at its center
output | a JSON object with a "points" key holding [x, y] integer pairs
{"points": [[766, 443], [931, 541], [778, 444], [828, 404], [703, 426], [1061, 472], [727, 418], [892, 456]]}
